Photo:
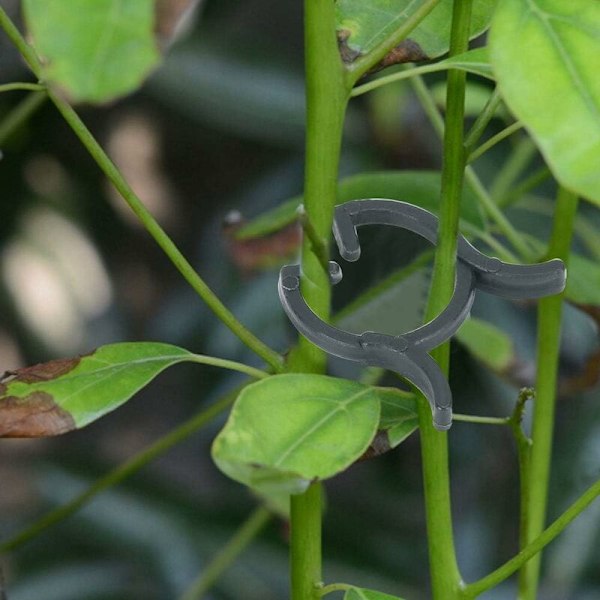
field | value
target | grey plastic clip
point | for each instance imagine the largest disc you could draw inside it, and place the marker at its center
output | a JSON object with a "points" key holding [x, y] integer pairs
{"points": [[407, 354]]}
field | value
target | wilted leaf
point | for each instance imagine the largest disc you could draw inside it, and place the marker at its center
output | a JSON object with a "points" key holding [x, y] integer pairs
{"points": [[545, 57], [61, 395], [421, 188], [288, 430], [93, 51], [488, 344], [363, 594], [363, 25]]}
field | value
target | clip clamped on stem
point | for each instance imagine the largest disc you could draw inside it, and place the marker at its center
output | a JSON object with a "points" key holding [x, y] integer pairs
{"points": [[407, 354]]}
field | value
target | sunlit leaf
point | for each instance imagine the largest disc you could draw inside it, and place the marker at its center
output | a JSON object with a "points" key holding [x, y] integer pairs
{"points": [[545, 56], [487, 343], [93, 51], [65, 394], [363, 25], [355, 593], [476, 61], [421, 188], [288, 430]]}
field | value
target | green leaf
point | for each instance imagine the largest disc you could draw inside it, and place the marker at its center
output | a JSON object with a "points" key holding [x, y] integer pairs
{"points": [[355, 593], [65, 394], [93, 51], [545, 56], [288, 430], [476, 61], [487, 343], [417, 187], [399, 416], [363, 25], [583, 281]]}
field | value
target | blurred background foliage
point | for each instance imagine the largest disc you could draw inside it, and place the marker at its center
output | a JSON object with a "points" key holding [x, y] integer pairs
{"points": [[215, 136]]}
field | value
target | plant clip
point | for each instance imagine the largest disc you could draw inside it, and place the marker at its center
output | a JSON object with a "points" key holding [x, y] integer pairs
{"points": [[406, 354]]}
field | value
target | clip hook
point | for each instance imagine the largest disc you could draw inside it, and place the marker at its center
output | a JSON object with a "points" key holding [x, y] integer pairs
{"points": [[407, 354]]}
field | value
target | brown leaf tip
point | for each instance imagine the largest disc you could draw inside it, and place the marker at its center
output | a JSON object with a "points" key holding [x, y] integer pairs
{"points": [[40, 372], [348, 54], [35, 415]]}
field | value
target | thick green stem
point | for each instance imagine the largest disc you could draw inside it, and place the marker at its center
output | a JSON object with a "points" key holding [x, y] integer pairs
{"points": [[227, 554], [21, 113], [548, 345], [534, 547], [140, 210], [326, 98], [445, 576], [122, 472]]}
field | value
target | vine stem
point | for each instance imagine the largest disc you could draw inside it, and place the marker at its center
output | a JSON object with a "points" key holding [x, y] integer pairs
{"points": [[122, 472], [548, 345], [495, 139], [534, 547], [140, 210], [253, 525], [228, 364], [21, 114], [445, 576], [17, 85], [327, 95]]}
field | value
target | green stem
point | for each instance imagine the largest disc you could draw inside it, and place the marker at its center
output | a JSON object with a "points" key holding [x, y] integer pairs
{"points": [[548, 344], [122, 472], [21, 114], [305, 557], [445, 575], [227, 554], [534, 547], [11, 87], [137, 206], [228, 364], [511, 170], [480, 420], [485, 200], [483, 119], [367, 61], [326, 98], [495, 139], [335, 587]]}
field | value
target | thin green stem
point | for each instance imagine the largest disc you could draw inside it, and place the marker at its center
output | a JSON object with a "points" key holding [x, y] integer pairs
{"points": [[122, 472], [523, 188], [445, 576], [534, 547], [480, 420], [548, 344], [495, 139], [140, 210], [335, 587], [20, 114], [519, 159], [367, 61], [11, 87], [228, 364], [485, 200], [483, 119], [227, 554]]}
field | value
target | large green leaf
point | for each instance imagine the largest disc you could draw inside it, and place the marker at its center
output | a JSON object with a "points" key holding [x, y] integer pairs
{"points": [[288, 430], [421, 188], [363, 25], [487, 343], [355, 593], [545, 56], [93, 51], [60, 395]]}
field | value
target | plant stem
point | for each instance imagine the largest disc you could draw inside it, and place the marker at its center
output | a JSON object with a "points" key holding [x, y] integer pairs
{"points": [[326, 99], [335, 587], [445, 576], [17, 85], [485, 200], [367, 61], [228, 364], [548, 345], [227, 554], [480, 420], [483, 119], [515, 164], [527, 185], [534, 547], [20, 114], [122, 472], [495, 139], [138, 207]]}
